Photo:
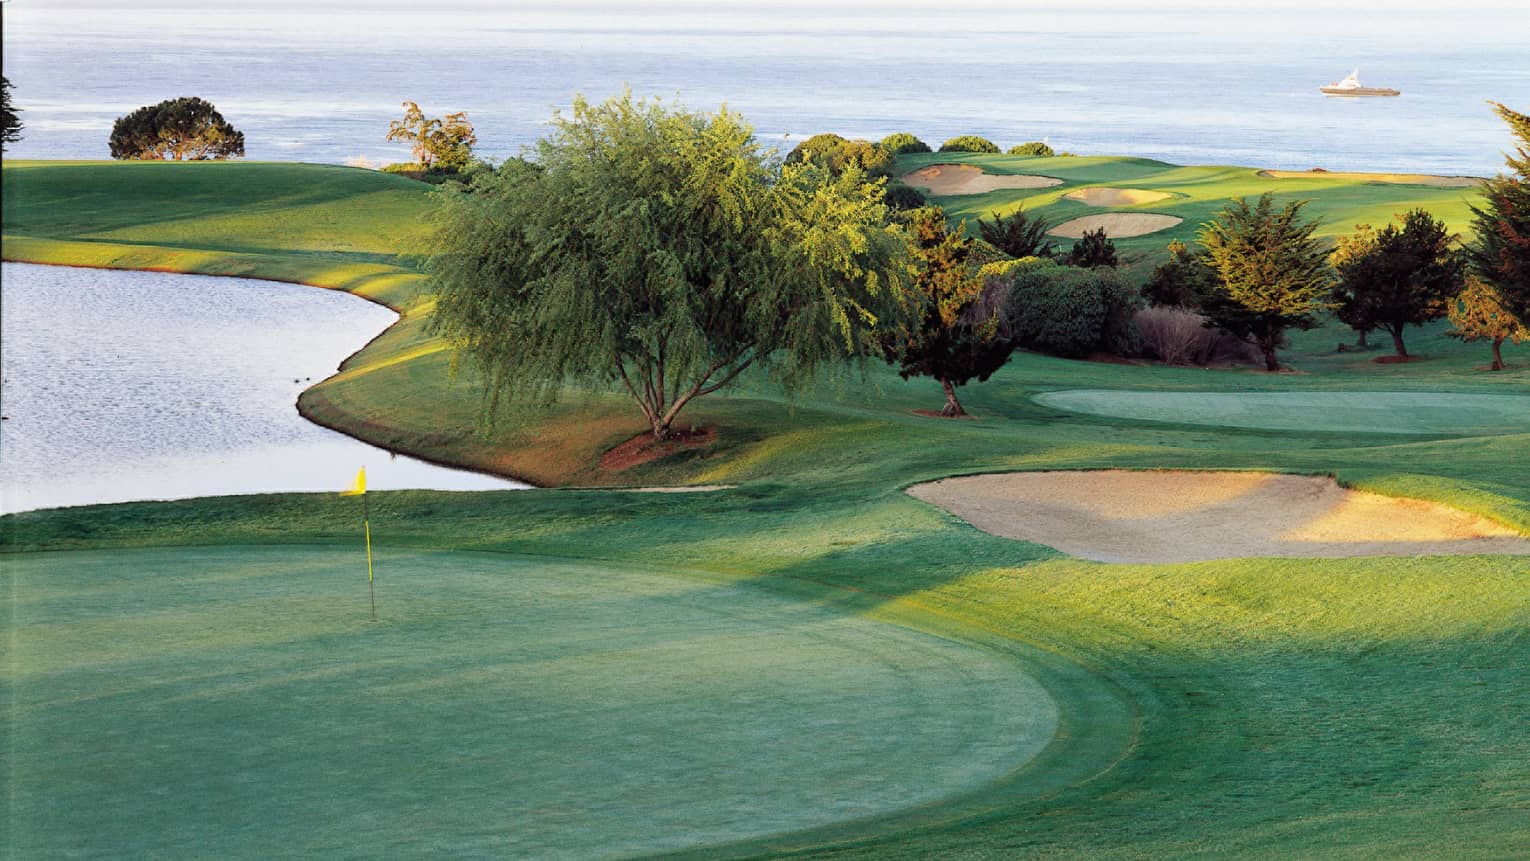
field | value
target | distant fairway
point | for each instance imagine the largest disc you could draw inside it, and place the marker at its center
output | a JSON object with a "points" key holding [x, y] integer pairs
{"points": [[1348, 412], [209, 701]]}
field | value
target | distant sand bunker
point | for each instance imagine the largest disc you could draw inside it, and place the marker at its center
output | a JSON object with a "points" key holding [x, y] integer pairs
{"points": [[1116, 196], [1392, 178], [1119, 516], [1116, 224], [946, 180]]}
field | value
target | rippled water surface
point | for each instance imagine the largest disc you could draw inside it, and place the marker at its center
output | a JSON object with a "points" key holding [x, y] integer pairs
{"points": [[1189, 81], [121, 386]]}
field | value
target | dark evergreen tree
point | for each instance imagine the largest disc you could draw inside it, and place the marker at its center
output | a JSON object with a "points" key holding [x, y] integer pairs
{"points": [[187, 128], [963, 332], [1500, 255], [1404, 278], [10, 124], [1093, 249], [1018, 235]]}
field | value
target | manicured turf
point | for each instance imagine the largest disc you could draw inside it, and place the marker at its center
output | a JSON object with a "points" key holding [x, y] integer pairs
{"points": [[1355, 708], [1351, 412], [177, 702]]}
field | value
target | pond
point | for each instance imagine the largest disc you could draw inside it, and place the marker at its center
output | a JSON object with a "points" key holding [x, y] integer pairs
{"points": [[121, 386]]}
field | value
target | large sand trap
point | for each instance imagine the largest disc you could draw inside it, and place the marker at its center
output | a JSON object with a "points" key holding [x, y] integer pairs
{"points": [[1391, 178], [947, 180], [1118, 516], [1116, 224], [1116, 196]]}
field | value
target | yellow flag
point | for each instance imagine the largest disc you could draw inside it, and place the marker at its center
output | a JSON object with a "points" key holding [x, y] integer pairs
{"points": [[360, 487]]}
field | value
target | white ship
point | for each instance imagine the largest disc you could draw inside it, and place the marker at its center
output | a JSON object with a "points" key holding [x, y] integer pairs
{"points": [[1350, 86]]}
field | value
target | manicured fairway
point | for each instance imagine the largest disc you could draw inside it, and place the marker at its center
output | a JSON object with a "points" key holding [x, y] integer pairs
{"points": [[236, 702], [1346, 412]]}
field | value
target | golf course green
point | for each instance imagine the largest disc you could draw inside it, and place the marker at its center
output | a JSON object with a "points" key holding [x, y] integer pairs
{"points": [[625, 660]]}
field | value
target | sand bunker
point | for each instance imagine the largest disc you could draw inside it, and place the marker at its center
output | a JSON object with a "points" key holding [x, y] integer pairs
{"points": [[1119, 516], [947, 180], [1116, 224], [1116, 196], [1392, 178]]}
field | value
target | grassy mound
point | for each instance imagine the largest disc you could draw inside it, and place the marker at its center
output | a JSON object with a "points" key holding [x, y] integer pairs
{"points": [[236, 701]]}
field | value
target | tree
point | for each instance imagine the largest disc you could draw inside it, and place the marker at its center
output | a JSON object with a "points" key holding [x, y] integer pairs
{"points": [[10, 124], [663, 252], [1185, 281], [1399, 278], [962, 332], [1349, 248], [442, 143], [1018, 235], [1478, 313], [186, 128], [1500, 256], [1271, 274], [1092, 250]]}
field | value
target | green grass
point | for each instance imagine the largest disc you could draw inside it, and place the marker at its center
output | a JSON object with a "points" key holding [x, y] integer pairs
{"points": [[1339, 203], [1354, 708]]}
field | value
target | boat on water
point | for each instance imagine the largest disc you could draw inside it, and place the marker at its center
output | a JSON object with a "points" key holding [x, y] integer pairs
{"points": [[1350, 86]]}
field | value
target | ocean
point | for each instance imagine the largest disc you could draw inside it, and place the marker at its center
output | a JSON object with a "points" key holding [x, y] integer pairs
{"points": [[1193, 83]]}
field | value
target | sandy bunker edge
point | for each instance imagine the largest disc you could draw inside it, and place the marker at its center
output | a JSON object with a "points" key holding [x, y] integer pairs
{"points": [[1166, 516]]}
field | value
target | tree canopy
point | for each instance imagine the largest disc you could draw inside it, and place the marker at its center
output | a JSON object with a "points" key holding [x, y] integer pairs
{"points": [[186, 128], [1478, 313], [899, 143], [837, 154], [970, 143], [10, 124], [1271, 274], [1397, 277], [1092, 250], [1500, 256], [444, 143], [962, 331], [1032, 148], [663, 252]]}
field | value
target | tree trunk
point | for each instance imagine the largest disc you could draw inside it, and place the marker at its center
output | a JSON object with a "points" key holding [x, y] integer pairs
{"points": [[1497, 354], [661, 428], [1267, 346], [1363, 343], [953, 407], [1397, 343]]}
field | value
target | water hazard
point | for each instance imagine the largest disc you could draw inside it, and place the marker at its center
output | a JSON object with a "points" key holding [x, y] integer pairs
{"points": [[121, 386]]}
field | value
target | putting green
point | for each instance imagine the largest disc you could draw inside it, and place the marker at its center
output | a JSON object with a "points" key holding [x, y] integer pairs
{"points": [[236, 702], [1350, 412]]}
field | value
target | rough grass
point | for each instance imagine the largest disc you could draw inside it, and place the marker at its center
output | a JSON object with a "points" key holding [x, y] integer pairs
{"points": [[1280, 709]]}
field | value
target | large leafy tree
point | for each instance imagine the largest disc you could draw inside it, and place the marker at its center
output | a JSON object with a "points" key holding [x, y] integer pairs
{"points": [[1500, 255], [187, 128], [1271, 274], [962, 331], [838, 154], [664, 252], [1478, 313], [436, 142], [1018, 235], [1402, 276], [10, 124]]}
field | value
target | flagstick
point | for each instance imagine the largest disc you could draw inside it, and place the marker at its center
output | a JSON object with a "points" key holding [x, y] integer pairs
{"points": [[366, 523]]}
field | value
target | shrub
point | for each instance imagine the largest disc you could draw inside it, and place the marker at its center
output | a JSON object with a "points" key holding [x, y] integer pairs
{"points": [[1094, 249], [900, 196], [1018, 234], [1006, 269], [1184, 281], [836, 153], [434, 175], [1070, 312], [900, 143], [1036, 148], [969, 143], [1175, 336]]}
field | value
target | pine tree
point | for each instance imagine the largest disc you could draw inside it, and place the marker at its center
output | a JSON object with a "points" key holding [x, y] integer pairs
{"points": [[1500, 255]]}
